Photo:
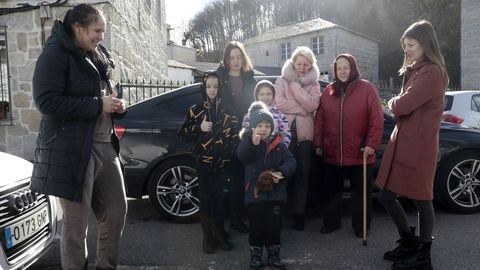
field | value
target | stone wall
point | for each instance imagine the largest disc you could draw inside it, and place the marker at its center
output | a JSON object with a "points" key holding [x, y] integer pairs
{"points": [[470, 46], [268, 53], [138, 39], [135, 34], [24, 46], [336, 40], [365, 51]]}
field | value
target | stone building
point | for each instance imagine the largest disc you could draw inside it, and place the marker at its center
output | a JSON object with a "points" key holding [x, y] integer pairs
{"points": [[136, 34], [470, 44], [326, 39]]}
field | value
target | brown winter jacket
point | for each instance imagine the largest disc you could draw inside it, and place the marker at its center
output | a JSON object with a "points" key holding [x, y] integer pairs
{"points": [[409, 162]]}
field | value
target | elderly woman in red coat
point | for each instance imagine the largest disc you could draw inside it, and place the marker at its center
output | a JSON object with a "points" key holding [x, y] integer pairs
{"points": [[348, 123], [409, 161]]}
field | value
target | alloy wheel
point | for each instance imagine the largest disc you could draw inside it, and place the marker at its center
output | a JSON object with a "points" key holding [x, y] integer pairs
{"points": [[177, 191]]}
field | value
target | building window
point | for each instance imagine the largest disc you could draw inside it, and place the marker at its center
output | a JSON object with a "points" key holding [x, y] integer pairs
{"points": [[317, 45], [325, 76], [266, 53], [148, 4], [5, 112], [285, 50]]}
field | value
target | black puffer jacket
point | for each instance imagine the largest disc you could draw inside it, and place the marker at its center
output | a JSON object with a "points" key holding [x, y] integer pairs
{"points": [[66, 91], [237, 105], [212, 150]]}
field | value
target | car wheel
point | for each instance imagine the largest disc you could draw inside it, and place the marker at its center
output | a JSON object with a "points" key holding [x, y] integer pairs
{"points": [[173, 190], [457, 184]]}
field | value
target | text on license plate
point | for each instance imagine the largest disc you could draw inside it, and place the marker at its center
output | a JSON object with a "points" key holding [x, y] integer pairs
{"points": [[20, 231]]}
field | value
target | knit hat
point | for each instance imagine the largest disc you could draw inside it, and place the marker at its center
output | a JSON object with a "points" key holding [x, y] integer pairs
{"points": [[261, 84], [257, 113]]}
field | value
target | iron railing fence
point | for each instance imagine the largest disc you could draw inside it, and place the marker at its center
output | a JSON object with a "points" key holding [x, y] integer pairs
{"points": [[5, 95], [134, 91], [388, 90]]}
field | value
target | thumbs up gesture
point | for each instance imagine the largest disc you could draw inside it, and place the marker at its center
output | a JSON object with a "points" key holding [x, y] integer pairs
{"points": [[206, 126]]}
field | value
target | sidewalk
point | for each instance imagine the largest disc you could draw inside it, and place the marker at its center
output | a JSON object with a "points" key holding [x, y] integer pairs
{"points": [[134, 267]]}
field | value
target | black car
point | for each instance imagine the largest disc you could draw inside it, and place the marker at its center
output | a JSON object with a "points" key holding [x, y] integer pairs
{"points": [[158, 163]]}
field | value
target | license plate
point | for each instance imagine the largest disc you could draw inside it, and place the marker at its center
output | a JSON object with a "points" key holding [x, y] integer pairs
{"points": [[22, 230]]}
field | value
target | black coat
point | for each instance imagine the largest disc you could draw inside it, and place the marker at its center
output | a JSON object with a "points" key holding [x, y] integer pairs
{"points": [[66, 91], [212, 150], [228, 98], [258, 158]]}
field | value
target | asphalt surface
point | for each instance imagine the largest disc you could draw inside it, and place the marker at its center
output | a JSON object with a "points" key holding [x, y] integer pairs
{"points": [[149, 242]]}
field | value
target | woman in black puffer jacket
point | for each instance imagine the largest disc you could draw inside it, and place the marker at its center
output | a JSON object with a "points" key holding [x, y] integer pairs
{"points": [[76, 158]]}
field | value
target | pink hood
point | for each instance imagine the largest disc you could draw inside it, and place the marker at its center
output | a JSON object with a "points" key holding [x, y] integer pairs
{"points": [[289, 73]]}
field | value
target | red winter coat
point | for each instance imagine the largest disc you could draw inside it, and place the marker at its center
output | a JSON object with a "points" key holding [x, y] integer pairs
{"points": [[342, 129], [409, 162]]}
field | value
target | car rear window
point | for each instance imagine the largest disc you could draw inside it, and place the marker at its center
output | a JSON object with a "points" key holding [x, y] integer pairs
{"points": [[475, 103], [448, 103], [180, 104]]}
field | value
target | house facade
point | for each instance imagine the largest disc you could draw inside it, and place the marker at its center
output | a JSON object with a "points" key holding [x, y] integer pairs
{"points": [[178, 57], [136, 35], [470, 48], [326, 40]]}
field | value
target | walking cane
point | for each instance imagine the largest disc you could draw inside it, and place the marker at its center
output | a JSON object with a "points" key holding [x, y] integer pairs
{"points": [[364, 198]]}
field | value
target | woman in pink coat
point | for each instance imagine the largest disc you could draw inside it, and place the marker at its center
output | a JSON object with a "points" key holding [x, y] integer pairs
{"points": [[408, 164], [298, 94]]}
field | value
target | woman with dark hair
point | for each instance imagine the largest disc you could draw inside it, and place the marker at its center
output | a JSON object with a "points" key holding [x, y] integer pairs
{"points": [[236, 74], [215, 138], [76, 158], [409, 162]]}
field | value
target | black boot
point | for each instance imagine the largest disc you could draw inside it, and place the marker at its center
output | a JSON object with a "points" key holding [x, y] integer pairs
{"points": [[256, 257], [237, 224], [208, 243], [274, 260], [299, 223], [408, 245], [221, 241], [419, 261]]}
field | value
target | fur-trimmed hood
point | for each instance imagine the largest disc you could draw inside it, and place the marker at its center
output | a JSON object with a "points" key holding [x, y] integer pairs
{"points": [[289, 73]]}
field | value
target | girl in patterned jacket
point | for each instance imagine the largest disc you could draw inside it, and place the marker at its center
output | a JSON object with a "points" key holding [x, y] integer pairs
{"points": [[215, 137], [265, 92]]}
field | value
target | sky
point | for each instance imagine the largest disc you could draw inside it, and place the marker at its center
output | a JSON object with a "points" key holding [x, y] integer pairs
{"points": [[179, 12]]}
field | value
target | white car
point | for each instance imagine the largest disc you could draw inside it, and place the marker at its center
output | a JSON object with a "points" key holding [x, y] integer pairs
{"points": [[28, 221], [462, 107]]}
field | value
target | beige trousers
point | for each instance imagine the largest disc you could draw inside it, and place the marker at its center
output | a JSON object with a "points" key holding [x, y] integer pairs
{"points": [[104, 193]]}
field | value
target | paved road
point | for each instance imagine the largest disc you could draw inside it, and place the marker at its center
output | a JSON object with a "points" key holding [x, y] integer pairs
{"points": [[152, 243]]}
